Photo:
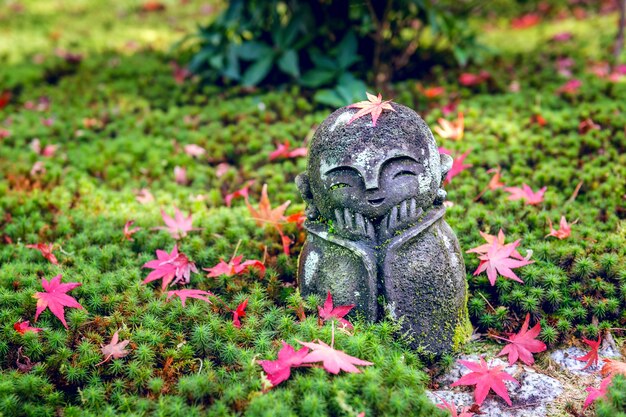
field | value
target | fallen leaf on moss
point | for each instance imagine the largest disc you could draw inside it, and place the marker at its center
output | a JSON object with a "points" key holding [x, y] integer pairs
{"points": [[115, 349], [46, 251], [332, 360], [171, 267], [523, 344], [279, 370], [55, 298]]}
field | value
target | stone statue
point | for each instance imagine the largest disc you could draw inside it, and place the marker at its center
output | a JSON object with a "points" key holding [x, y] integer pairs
{"points": [[376, 232]]}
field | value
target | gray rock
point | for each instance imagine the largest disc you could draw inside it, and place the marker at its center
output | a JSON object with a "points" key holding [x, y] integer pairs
{"points": [[531, 397], [566, 358], [375, 226]]}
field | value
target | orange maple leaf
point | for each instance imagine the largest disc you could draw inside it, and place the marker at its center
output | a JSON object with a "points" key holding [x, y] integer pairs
{"points": [[612, 367], [451, 130], [374, 106], [265, 213]]}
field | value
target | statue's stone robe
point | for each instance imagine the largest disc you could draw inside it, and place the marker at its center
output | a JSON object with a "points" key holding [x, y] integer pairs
{"points": [[419, 272]]}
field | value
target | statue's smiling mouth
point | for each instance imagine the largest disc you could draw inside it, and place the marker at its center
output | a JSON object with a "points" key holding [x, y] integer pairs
{"points": [[376, 201]]}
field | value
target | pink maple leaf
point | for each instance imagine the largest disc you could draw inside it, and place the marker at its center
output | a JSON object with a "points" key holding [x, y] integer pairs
{"points": [[46, 251], [115, 349], [279, 370], [451, 407], [194, 150], [570, 87], [526, 193], [180, 175], [171, 267], [564, 231], [523, 344], [498, 261], [144, 196], [177, 226], [330, 312], [595, 393], [189, 293], [592, 356], [24, 326], [373, 106], [55, 298], [458, 166], [242, 192], [483, 249], [235, 267], [239, 312], [485, 378], [128, 232], [332, 360], [282, 151]]}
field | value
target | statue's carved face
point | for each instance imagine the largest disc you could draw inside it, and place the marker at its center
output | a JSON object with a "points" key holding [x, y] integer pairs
{"points": [[372, 182]]}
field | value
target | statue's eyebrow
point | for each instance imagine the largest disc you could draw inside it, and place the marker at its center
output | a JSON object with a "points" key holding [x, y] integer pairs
{"points": [[340, 168], [398, 158]]}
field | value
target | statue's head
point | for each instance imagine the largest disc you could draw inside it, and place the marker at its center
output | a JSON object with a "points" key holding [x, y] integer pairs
{"points": [[370, 170]]}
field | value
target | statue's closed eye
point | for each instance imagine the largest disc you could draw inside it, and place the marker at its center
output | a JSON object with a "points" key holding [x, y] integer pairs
{"points": [[404, 173], [339, 185]]}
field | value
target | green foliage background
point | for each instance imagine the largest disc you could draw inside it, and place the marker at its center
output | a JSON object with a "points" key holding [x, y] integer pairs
{"points": [[192, 361]]}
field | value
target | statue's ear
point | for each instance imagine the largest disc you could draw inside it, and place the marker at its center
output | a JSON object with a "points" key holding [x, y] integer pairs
{"points": [[446, 164], [304, 186]]}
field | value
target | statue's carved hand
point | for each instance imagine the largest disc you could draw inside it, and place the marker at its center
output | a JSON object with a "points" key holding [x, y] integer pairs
{"points": [[354, 226], [400, 217]]}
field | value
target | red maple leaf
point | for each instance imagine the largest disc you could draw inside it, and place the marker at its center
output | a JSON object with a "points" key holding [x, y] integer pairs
{"points": [[592, 356], [243, 192], [469, 80], [24, 326], [523, 344], [5, 98], [564, 231], [330, 312], [55, 298], [114, 349], [239, 312], [235, 267], [177, 226], [46, 251], [297, 218], [279, 370], [458, 166], [485, 379], [526, 193], [373, 105], [595, 393], [332, 360], [498, 261], [282, 151], [128, 232], [451, 407], [170, 267], [189, 293]]}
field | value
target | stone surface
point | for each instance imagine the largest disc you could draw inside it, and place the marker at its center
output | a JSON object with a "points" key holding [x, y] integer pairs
{"points": [[566, 359], [531, 398], [376, 227]]}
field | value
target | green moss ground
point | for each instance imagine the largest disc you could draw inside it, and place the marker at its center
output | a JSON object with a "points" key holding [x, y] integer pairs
{"points": [[192, 361]]}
